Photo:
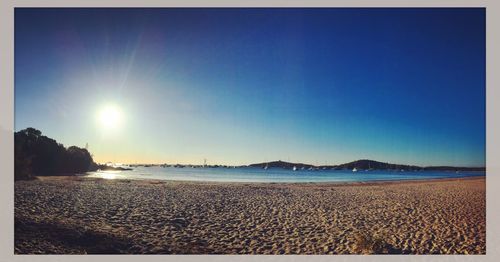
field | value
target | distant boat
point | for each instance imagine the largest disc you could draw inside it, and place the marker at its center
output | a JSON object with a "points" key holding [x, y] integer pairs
{"points": [[354, 170], [294, 168], [266, 167]]}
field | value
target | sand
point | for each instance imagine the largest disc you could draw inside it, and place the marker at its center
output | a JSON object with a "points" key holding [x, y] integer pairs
{"points": [[82, 215]]}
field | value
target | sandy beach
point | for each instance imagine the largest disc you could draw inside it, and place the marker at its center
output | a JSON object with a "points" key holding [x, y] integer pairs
{"points": [[83, 215]]}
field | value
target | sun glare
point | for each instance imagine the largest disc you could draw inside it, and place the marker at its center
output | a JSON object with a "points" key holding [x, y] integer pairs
{"points": [[110, 117]]}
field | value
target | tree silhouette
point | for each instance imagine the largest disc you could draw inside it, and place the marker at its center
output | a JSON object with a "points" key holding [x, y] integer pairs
{"points": [[38, 155]]}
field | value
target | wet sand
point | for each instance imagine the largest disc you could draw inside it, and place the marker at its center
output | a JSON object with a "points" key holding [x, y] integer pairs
{"points": [[83, 215]]}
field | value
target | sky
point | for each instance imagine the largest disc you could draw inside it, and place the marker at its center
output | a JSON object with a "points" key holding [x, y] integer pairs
{"points": [[240, 86]]}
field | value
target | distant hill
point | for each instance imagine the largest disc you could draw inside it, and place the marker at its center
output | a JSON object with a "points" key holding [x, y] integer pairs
{"points": [[372, 164], [281, 164], [364, 164]]}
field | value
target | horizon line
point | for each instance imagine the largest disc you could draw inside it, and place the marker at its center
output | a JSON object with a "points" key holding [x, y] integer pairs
{"points": [[297, 163]]}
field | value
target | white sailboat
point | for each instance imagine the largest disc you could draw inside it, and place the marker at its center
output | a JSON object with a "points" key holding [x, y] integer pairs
{"points": [[354, 170]]}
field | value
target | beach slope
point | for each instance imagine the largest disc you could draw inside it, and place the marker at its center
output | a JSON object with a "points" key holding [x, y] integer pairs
{"points": [[81, 215]]}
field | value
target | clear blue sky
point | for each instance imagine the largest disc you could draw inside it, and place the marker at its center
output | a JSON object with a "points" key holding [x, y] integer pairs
{"points": [[238, 86]]}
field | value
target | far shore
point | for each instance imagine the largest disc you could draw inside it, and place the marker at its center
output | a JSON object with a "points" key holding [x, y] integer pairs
{"points": [[78, 214]]}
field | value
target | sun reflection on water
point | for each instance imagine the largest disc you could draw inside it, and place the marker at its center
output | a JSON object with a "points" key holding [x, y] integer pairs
{"points": [[109, 174]]}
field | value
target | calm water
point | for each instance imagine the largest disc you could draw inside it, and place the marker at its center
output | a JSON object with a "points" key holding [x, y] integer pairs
{"points": [[272, 175]]}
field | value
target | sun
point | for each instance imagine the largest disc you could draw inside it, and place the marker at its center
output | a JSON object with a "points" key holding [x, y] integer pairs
{"points": [[110, 117]]}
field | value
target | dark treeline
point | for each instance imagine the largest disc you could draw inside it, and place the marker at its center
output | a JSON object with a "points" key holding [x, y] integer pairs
{"points": [[38, 155]]}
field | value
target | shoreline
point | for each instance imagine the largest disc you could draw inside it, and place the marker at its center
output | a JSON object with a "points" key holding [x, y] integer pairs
{"points": [[326, 183], [68, 214]]}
